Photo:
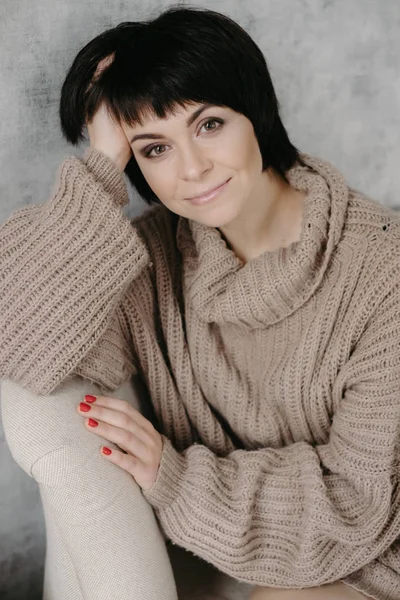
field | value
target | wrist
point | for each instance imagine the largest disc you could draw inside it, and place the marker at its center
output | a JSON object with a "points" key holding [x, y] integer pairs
{"points": [[107, 173], [119, 161]]}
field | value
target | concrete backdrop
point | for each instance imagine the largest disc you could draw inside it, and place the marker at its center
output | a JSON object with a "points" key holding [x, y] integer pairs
{"points": [[336, 68]]}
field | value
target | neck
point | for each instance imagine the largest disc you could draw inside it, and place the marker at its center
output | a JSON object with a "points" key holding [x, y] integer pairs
{"points": [[272, 219]]}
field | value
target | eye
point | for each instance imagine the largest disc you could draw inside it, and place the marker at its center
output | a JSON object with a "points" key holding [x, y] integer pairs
{"points": [[150, 150], [217, 125], [213, 120]]}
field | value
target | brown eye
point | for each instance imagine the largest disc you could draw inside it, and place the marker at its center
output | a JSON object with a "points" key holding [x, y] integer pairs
{"points": [[219, 122], [148, 152]]}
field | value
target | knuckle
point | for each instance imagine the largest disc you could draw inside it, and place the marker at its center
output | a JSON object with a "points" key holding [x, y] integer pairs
{"points": [[148, 455], [125, 421], [150, 427], [126, 438], [151, 451], [151, 456], [150, 437]]}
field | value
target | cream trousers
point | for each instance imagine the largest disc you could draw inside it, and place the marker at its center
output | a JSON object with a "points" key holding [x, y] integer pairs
{"points": [[102, 537]]}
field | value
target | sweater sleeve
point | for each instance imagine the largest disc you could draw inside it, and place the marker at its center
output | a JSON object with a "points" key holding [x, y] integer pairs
{"points": [[65, 266], [302, 515]]}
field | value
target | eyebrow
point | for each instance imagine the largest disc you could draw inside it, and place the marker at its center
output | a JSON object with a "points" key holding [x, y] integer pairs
{"points": [[189, 121]]}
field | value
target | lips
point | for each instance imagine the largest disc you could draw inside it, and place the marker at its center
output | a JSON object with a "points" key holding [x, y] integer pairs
{"points": [[208, 193]]}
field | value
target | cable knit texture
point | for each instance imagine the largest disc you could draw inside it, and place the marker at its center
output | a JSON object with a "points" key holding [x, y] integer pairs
{"points": [[276, 384]]}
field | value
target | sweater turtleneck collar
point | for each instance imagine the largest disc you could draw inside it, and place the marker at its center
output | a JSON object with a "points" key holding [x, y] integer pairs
{"points": [[268, 288]]}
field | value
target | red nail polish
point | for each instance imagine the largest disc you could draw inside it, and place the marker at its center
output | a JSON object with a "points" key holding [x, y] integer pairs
{"points": [[89, 398], [92, 423], [84, 407], [106, 450]]}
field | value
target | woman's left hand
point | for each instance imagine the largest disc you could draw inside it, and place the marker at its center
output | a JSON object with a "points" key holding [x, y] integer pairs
{"points": [[117, 421]]}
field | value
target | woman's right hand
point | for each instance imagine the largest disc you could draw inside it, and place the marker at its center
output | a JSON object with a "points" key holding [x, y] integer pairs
{"points": [[106, 135]]}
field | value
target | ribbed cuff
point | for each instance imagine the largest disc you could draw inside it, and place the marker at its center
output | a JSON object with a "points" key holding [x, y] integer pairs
{"points": [[170, 476], [107, 173], [375, 580]]}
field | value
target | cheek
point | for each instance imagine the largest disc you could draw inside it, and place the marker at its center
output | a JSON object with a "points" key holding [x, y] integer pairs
{"points": [[249, 150], [157, 177], [240, 150]]}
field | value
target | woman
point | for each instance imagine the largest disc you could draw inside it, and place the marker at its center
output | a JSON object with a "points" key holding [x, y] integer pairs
{"points": [[257, 298]]}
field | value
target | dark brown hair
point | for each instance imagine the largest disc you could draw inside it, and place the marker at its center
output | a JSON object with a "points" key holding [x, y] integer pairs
{"points": [[183, 55]]}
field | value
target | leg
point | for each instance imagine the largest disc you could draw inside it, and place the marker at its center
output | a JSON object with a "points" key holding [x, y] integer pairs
{"points": [[332, 591], [103, 537]]}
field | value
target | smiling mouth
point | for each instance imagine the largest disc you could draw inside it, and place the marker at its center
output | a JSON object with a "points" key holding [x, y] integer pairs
{"points": [[208, 195]]}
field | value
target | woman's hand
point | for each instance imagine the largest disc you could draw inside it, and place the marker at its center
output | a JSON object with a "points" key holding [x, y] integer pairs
{"points": [[117, 421], [105, 134]]}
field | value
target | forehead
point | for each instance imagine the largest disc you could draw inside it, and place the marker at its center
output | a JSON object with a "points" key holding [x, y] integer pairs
{"points": [[177, 115]]}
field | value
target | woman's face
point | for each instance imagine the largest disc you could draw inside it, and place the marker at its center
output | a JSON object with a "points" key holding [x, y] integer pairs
{"points": [[197, 149]]}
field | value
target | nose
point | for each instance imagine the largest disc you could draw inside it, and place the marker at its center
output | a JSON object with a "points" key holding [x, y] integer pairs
{"points": [[194, 162]]}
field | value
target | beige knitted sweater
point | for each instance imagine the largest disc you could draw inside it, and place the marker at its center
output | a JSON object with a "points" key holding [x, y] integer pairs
{"points": [[276, 383]]}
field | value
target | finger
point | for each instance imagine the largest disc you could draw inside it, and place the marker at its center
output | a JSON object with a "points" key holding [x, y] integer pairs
{"points": [[123, 438], [124, 407], [129, 463], [115, 418], [125, 461], [103, 64]]}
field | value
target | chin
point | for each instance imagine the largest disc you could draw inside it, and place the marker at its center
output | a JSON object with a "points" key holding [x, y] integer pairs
{"points": [[216, 218]]}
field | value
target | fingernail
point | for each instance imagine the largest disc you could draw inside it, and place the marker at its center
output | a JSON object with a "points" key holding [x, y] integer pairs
{"points": [[84, 407], [106, 450], [89, 398], [92, 423]]}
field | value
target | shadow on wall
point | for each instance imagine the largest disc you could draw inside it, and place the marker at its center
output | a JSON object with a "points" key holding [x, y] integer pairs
{"points": [[23, 571]]}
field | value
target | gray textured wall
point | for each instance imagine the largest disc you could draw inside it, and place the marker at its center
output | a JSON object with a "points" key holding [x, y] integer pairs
{"points": [[336, 70]]}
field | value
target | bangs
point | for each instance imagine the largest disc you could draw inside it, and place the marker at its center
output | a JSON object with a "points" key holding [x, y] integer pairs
{"points": [[132, 102], [160, 69]]}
